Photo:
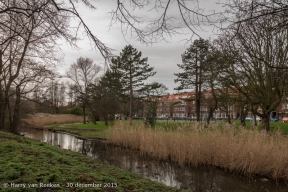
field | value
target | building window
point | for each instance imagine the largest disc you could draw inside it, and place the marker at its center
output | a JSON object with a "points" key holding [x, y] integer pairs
{"points": [[203, 109], [285, 106]]}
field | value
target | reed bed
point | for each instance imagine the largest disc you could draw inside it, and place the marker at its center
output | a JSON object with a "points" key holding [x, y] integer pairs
{"points": [[39, 120], [223, 145]]}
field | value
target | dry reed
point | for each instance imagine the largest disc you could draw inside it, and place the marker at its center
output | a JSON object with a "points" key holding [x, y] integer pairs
{"points": [[246, 151], [39, 120]]}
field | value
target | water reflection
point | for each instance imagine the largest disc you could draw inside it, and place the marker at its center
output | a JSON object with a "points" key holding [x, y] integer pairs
{"points": [[196, 179]]}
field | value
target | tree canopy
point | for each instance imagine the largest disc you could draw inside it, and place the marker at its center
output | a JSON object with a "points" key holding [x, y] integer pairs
{"points": [[256, 54]]}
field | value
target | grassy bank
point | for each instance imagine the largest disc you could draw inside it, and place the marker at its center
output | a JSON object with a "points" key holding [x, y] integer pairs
{"points": [[248, 151], [25, 161], [69, 124], [85, 131]]}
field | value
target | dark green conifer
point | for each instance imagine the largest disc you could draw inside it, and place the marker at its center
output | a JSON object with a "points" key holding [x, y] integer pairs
{"points": [[192, 77], [134, 71]]}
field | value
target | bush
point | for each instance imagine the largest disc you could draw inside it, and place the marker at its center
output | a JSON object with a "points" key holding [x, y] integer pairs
{"points": [[150, 114], [74, 111]]}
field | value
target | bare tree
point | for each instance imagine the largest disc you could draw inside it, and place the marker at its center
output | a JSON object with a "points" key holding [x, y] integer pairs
{"points": [[72, 101], [55, 93], [83, 73], [30, 29], [248, 11], [31, 76], [171, 17], [55, 16], [255, 48], [174, 17]]}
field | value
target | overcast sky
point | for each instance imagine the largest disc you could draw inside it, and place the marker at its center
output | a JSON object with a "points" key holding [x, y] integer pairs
{"points": [[163, 56]]}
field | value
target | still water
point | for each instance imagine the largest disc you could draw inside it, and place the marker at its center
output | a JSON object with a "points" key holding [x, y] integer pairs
{"points": [[200, 179]]}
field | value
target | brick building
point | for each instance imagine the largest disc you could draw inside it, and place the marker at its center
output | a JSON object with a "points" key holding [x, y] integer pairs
{"points": [[182, 105]]}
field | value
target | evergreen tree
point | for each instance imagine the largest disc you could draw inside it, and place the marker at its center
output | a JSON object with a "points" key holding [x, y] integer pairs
{"points": [[193, 63], [111, 81], [134, 70]]}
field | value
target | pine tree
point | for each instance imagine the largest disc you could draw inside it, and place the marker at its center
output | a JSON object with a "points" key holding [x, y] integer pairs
{"points": [[193, 63], [112, 82], [134, 70]]}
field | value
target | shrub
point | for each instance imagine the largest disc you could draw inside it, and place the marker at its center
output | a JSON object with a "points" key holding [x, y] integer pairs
{"points": [[74, 111]]}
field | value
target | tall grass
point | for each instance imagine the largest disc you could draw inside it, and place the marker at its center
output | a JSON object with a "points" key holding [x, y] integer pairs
{"points": [[236, 149], [41, 119]]}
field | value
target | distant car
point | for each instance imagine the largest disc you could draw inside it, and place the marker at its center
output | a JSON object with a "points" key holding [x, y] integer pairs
{"points": [[273, 119], [248, 119], [193, 118], [285, 119], [258, 118]]}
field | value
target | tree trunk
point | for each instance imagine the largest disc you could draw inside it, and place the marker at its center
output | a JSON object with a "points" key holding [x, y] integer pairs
{"points": [[3, 111], [210, 114], [242, 118], [106, 119], [212, 109], [266, 123], [84, 113], [197, 101], [2, 98], [198, 105], [131, 102], [200, 88], [3, 114], [254, 120], [227, 113], [93, 113], [130, 110], [16, 115], [229, 118]]}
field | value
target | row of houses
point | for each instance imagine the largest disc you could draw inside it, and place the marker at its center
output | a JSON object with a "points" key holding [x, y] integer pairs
{"points": [[182, 105]]}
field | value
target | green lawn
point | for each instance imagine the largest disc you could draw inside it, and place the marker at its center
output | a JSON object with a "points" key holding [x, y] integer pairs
{"points": [[172, 125], [273, 126], [86, 131], [27, 161]]}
